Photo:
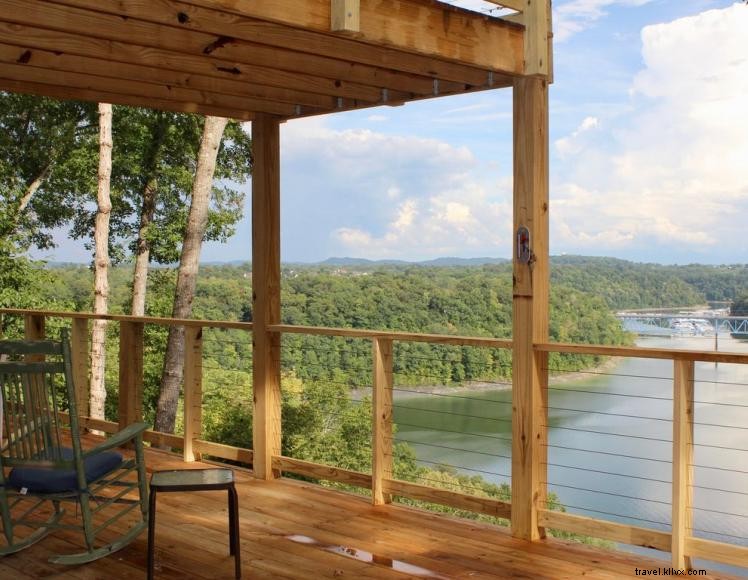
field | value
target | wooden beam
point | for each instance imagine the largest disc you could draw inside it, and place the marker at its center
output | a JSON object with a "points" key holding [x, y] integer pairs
{"points": [[193, 391], [130, 373], [212, 34], [95, 96], [682, 513], [530, 306], [146, 90], [717, 551], [223, 451], [401, 336], [79, 348], [537, 37], [265, 71], [60, 61], [642, 352], [345, 15], [266, 293], [420, 27], [319, 471], [481, 505], [381, 463], [613, 531]]}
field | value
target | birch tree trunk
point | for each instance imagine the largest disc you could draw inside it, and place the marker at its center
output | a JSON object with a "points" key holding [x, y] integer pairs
{"points": [[189, 262], [97, 395], [147, 210]]}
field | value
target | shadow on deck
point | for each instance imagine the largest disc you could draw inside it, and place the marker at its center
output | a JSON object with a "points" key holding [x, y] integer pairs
{"points": [[292, 529]]}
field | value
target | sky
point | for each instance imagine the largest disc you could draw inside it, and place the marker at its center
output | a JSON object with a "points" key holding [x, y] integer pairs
{"points": [[648, 152]]}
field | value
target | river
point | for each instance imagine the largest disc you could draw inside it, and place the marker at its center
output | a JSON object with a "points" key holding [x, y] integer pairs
{"points": [[610, 433]]}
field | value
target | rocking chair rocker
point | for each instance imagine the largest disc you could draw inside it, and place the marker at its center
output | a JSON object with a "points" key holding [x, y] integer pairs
{"points": [[38, 473]]}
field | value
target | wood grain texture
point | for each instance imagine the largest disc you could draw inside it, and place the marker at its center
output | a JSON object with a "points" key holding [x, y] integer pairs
{"points": [[130, 373], [193, 391], [530, 308], [613, 531], [326, 472], [381, 448], [682, 512], [446, 497], [266, 280], [79, 348]]}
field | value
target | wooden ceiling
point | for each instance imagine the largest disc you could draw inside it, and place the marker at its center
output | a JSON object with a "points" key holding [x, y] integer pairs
{"points": [[233, 58]]}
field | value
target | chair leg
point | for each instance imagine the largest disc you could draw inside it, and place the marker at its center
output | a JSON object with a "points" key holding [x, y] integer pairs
{"points": [[88, 529], [151, 531], [142, 477], [234, 545]]}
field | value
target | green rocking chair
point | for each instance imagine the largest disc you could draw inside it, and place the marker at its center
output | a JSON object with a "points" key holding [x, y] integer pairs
{"points": [[38, 472]]}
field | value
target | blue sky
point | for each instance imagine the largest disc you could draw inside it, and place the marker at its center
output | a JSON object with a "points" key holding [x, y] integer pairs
{"points": [[649, 152]]}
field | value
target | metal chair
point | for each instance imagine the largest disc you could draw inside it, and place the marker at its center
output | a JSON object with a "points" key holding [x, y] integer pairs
{"points": [[38, 473]]}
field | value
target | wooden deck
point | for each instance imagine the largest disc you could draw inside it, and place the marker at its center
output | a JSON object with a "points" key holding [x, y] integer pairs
{"points": [[291, 529]]}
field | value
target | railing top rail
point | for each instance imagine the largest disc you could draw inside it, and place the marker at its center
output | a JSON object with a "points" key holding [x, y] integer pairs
{"points": [[644, 352], [401, 336], [127, 318]]}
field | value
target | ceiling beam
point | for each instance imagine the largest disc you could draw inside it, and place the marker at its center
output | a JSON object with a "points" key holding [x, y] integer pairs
{"points": [[95, 95], [423, 27], [61, 61], [229, 29], [345, 15]]}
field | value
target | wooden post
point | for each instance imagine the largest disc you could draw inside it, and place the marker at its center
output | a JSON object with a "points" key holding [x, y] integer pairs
{"points": [[381, 461], [34, 328], [130, 373], [345, 15], [266, 433], [79, 352], [682, 518], [530, 306], [193, 390]]}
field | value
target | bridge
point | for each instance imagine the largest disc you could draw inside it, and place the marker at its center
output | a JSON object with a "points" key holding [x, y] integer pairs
{"points": [[683, 324]]}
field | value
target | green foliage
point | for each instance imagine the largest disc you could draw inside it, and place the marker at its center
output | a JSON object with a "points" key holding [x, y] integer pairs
{"points": [[740, 306]]}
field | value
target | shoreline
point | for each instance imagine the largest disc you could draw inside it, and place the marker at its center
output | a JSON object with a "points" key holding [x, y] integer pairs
{"points": [[559, 378]]}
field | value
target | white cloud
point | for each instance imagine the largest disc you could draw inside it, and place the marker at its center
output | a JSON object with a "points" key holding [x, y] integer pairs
{"points": [[572, 143], [672, 170], [575, 16], [375, 195], [377, 118]]}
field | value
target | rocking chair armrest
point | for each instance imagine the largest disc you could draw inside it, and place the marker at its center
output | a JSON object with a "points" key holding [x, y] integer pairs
{"points": [[120, 438]]}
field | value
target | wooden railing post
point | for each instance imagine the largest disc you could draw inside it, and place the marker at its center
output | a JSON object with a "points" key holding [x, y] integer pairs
{"points": [[34, 328], [130, 373], [381, 461], [79, 351], [682, 517], [193, 390], [530, 306], [266, 424]]}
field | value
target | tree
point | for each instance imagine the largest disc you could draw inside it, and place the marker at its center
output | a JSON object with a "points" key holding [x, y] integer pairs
{"points": [[101, 263], [740, 306], [188, 267], [47, 160]]}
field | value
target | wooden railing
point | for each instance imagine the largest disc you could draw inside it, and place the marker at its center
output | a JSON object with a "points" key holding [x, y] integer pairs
{"points": [[680, 541]]}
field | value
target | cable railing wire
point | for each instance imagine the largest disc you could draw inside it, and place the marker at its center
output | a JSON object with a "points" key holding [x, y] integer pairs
{"points": [[430, 428], [483, 471], [613, 514], [453, 413], [603, 472], [463, 450], [492, 401], [621, 495], [609, 414], [579, 429], [607, 453]]}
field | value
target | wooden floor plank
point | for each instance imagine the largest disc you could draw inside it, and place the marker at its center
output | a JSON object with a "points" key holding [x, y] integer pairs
{"points": [[337, 535]]}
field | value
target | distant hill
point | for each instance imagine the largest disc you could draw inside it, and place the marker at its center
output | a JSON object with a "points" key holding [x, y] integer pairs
{"points": [[445, 262]]}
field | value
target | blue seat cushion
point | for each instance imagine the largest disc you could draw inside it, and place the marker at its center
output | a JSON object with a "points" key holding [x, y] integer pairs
{"points": [[50, 480]]}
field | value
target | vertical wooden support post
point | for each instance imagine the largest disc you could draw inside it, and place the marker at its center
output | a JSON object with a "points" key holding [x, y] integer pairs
{"points": [[34, 328], [345, 15], [130, 373], [530, 306], [682, 518], [193, 390], [538, 52], [381, 461], [79, 351], [266, 423]]}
